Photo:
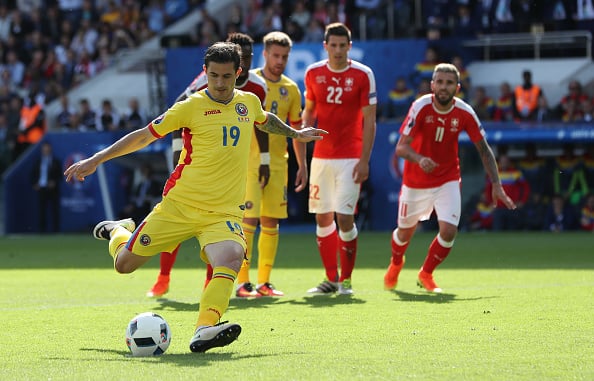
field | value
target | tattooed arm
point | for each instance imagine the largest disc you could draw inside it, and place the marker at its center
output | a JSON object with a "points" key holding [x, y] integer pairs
{"points": [[274, 125], [490, 165]]}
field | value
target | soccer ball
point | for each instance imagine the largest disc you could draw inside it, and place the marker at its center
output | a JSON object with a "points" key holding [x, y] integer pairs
{"points": [[148, 334]]}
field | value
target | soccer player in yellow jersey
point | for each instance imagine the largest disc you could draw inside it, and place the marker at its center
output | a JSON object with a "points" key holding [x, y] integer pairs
{"points": [[204, 195], [268, 202]]}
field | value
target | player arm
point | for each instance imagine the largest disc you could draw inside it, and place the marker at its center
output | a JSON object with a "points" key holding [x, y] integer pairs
{"points": [[309, 115], [131, 142], [361, 170], [405, 151], [490, 165], [300, 149], [369, 127], [273, 125]]}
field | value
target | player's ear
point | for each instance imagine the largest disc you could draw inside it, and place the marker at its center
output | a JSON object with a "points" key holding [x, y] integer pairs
{"points": [[204, 68], [239, 70]]}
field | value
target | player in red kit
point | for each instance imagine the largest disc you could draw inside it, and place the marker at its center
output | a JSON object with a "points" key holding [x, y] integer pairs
{"points": [[341, 94], [431, 178]]}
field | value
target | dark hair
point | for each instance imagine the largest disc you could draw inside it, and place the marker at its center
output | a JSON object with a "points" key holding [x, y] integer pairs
{"points": [[240, 39], [337, 29], [277, 38], [223, 52]]}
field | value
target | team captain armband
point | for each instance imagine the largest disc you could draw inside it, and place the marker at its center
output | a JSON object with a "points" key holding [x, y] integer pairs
{"points": [[177, 144], [264, 158]]}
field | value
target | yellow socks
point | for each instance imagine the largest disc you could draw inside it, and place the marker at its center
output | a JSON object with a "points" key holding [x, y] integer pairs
{"points": [[119, 237], [215, 298], [267, 247], [244, 272]]}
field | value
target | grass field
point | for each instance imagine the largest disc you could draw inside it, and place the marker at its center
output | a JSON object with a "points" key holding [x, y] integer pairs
{"points": [[516, 306]]}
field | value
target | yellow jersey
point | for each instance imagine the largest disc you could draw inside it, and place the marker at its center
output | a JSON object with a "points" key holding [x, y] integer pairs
{"points": [[283, 99], [212, 169]]}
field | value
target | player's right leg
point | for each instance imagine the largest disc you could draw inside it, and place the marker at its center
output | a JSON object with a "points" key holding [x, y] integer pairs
{"points": [[414, 205], [399, 243]]}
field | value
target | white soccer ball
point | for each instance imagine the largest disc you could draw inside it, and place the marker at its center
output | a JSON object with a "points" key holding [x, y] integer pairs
{"points": [[148, 334]]}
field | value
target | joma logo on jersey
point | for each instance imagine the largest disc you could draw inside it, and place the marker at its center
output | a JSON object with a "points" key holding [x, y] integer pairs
{"points": [[211, 112]]}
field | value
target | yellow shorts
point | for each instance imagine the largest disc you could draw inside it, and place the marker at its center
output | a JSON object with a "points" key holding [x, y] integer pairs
{"points": [[270, 201], [171, 223]]}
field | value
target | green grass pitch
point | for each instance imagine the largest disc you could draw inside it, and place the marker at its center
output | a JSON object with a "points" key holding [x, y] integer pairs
{"points": [[516, 306]]}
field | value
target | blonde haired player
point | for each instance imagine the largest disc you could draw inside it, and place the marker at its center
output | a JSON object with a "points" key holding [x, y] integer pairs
{"points": [[267, 203]]}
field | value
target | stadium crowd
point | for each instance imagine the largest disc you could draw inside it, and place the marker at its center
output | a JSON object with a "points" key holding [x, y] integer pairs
{"points": [[49, 47]]}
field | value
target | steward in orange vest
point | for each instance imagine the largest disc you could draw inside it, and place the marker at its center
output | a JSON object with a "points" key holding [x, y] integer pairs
{"points": [[526, 98], [32, 125]]}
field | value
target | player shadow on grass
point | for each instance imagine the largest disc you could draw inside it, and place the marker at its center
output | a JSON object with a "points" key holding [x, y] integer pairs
{"points": [[165, 304], [181, 359], [424, 297], [325, 300]]}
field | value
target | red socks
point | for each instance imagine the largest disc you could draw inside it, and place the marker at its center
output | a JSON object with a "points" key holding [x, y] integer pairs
{"points": [[167, 261], [348, 254], [437, 254], [328, 246]]}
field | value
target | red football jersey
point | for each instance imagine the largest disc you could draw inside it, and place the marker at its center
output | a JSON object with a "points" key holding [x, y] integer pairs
{"points": [[435, 135], [339, 98], [255, 85]]}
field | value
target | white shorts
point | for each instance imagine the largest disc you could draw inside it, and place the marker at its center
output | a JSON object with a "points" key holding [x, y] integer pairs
{"points": [[416, 205], [331, 186]]}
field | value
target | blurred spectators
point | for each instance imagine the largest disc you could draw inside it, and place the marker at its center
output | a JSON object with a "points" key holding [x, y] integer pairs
{"points": [[560, 215], [424, 69], [587, 214], [6, 144], [134, 118], [423, 88], [301, 14], [517, 188], [64, 116], [464, 79], [569, 179], [543, 112], [483, 104], [109, 119], [571, 104], [504, 109], [399, 100], [88, 116], [482, 215]]}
